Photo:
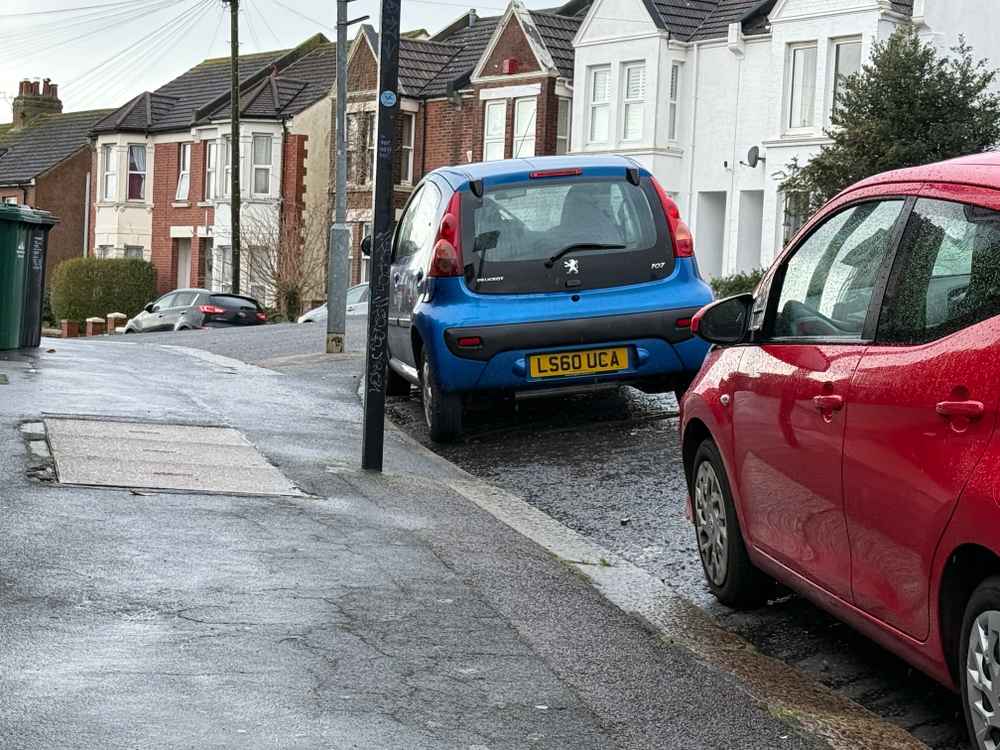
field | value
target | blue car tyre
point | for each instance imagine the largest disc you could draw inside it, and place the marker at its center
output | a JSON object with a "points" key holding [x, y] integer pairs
{"points": [[443, 411]]}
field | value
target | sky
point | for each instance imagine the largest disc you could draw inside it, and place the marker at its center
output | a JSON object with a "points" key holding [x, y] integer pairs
{"points": [[101, 53]]}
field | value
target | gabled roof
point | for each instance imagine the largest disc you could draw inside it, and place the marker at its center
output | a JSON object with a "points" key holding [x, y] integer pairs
{"points": [[204, 89], [48, 141], [285, 93]]}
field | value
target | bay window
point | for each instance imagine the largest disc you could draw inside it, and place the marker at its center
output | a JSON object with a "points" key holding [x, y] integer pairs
{"points": [[211, 170], [599, 90], [109, 173], [261, 165], [136, 172], [673, 100], [633, 101], [802, 89], [846, 62]]}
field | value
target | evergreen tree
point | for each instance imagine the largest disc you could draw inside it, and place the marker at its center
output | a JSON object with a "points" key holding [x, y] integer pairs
{"points": [[907, 106]]}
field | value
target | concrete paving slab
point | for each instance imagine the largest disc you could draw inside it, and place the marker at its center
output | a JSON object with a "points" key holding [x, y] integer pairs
{"points": [[148, 455]]}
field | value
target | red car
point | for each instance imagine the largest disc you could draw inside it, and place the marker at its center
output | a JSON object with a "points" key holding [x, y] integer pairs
{"points": [[840, 437]]}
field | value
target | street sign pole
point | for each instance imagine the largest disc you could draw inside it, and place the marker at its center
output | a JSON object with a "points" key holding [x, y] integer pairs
{"points": [[234, 142], [381, 253]]}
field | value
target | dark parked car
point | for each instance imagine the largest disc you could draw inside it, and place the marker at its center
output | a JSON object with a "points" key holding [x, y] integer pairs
{"points": [[185, 309], [841, 436]]}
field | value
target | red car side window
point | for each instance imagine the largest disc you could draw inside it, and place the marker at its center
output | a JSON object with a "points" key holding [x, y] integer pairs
{"points": [[946, 275]]}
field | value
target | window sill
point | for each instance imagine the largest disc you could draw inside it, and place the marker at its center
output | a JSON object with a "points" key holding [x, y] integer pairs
{"points": [[205, 204], [180, 204]]}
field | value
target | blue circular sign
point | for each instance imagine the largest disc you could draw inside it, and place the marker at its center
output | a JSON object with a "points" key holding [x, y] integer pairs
{"points": [[388, 98]]}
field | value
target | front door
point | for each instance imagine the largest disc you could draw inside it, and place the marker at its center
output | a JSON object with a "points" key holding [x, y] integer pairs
{"points": [[183, 263], [923, 403], [413, 244], [792, 392]]}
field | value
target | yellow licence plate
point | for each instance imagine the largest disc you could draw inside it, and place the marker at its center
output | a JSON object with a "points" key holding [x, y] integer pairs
{"points": [[566, 364]]}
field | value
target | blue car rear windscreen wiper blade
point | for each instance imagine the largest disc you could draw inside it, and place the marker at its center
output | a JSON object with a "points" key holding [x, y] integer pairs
{"points": [[581, 246]]}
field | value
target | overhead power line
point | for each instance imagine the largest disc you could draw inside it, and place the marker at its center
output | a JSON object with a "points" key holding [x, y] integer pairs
{"points": [[179, 18], [303, 16], [63, 11]]}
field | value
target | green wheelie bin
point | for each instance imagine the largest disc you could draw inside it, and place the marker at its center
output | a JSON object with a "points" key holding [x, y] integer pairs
{"points": [[23, 243]]}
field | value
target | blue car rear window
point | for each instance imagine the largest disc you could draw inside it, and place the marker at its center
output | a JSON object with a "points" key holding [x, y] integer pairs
{"points": [[560, 234], [535, 221]]}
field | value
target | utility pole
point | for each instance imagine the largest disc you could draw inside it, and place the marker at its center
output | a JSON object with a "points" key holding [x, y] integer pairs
{"points": [[234, 139], [381, 256], [340, 234]]}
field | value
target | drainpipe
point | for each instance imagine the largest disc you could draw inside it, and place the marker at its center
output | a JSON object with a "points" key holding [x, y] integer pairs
{"points": [[733, 203], [86, 215], [692, 214]]}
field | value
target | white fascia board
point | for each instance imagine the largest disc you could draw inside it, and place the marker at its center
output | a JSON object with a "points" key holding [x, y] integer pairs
{"points": [[181, 232], [511, 92]]}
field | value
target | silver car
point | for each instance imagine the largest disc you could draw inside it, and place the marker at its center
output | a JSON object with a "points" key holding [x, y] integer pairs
{"points": [[357, 304]]}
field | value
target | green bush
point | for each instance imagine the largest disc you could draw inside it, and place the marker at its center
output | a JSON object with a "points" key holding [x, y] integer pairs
{"points": [[82, 288], [47, 316], [738, 283]]}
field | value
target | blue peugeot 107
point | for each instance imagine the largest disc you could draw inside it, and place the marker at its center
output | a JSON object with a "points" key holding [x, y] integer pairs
{"points": [[538, 276]]}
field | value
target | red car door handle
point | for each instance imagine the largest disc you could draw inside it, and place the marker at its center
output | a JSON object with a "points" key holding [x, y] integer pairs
{"points": [[829, 403], [968, 409]]}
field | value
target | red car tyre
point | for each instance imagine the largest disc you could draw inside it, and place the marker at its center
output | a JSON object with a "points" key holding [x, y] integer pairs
{"points": [[733, 579]]}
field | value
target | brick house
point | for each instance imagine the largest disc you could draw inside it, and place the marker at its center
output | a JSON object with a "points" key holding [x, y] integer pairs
{"points": [[45, 163], [480, 89], [161, 181]]}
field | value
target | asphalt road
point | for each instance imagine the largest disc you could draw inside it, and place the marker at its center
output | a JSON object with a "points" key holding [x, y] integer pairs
{"points": [[608, 466]]}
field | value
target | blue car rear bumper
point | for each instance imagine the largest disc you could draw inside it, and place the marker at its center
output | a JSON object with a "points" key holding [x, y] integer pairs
{"points": [[642, 318]]}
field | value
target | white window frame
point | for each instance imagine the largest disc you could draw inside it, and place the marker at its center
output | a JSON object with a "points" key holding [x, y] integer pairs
{"points": [[631, 103], [109, 172], [501, 105], [564, 122], [261, 166], [833, 60], [183, 172], [521, 140], [406, 157], [673, 99], [129, 171], [211, 170], [598, 107], [227, 166], [809, 87]]}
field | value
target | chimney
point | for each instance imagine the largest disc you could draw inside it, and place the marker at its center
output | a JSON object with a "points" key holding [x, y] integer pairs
{"points": [[32, 101], [473, 17]]}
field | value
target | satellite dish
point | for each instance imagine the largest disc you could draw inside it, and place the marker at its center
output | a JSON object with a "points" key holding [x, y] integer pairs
{"points": [[754, 157]]}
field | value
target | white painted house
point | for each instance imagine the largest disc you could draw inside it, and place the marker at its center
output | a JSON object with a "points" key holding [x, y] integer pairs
{"points": [[688, 87]]}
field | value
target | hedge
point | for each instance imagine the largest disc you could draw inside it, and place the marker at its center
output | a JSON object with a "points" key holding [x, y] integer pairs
{"points": [[93, 287], [737, 283]]}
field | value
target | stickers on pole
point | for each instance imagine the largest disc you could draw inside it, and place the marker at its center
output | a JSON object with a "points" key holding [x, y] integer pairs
{"points": [[388, 98]]}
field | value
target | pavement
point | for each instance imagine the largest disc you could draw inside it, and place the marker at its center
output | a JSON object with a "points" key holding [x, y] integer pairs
{"points": [[421, 608], [543, 451]]}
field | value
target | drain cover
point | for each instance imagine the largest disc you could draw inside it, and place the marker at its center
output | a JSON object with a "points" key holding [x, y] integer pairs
{"points": [[161, 456]]}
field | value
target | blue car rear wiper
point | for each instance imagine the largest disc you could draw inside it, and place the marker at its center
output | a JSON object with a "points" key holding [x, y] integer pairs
{"points": [[581, 246]]}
